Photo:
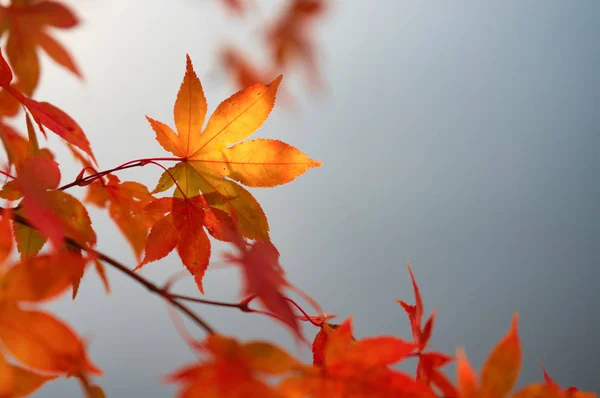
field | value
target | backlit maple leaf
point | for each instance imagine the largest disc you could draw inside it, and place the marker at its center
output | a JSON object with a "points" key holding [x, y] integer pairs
{"points": [[233, 369], [179, 223], [14, 143], [499, 373], [125, 201], [207, 163], [46, 114], [549, 389], [16, 381], [36, 338], [290, 40], [26, 22]]}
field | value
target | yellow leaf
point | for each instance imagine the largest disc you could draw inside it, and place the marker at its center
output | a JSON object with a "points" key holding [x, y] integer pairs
{"points": [[258, 163], [238, 117]]}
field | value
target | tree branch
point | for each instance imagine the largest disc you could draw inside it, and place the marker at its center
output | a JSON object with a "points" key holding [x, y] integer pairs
{"points": [[138, 278]]}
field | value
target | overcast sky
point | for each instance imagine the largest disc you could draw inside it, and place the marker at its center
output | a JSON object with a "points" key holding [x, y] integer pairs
{"points": [[462, 136]]}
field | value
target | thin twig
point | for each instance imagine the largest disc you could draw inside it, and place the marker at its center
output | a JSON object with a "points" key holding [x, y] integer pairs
{"points": [[128, 165], [242, 306], [7, 174]]}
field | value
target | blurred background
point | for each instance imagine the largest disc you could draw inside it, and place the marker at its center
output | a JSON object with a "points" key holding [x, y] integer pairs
{"points": [[461, 136]]}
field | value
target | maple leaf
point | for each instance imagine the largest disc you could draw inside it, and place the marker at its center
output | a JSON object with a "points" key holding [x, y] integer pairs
{"points": [[421, 335], [46, 114], [16, 381], [182, 227], [500, 371], [83, 262], [14, 143], [55, 214], [126, 202], [319, 343], [244, 73], [289, 39], [207, 163], [9, 105], [40, 341], [27, 23], [430, 364], [18, 148], [233, 369], [429, 372], [549, 389], [36, 338], [360, 368]]}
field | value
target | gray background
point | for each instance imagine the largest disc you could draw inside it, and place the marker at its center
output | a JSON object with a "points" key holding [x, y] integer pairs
{"points": [[462, 136]]}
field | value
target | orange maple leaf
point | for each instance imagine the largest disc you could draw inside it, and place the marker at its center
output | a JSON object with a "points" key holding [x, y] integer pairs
{"points": [[125, 202], [36, 338], [14, 143], [9, 105], [26, 23], [16, 381], [549, 389], [234, 369], [207, 163], [19, 148], [500, 371]]}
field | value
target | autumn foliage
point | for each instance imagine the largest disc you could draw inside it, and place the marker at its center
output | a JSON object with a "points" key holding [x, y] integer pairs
{"points": [[202, 195]]}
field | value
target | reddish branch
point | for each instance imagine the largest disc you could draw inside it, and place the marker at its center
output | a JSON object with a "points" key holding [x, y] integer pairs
{"points": [[244, 306], [82, 181]]}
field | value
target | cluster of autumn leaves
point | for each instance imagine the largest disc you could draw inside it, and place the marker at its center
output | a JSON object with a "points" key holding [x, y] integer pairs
{"points": [[205, 197], [289, 40]]}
